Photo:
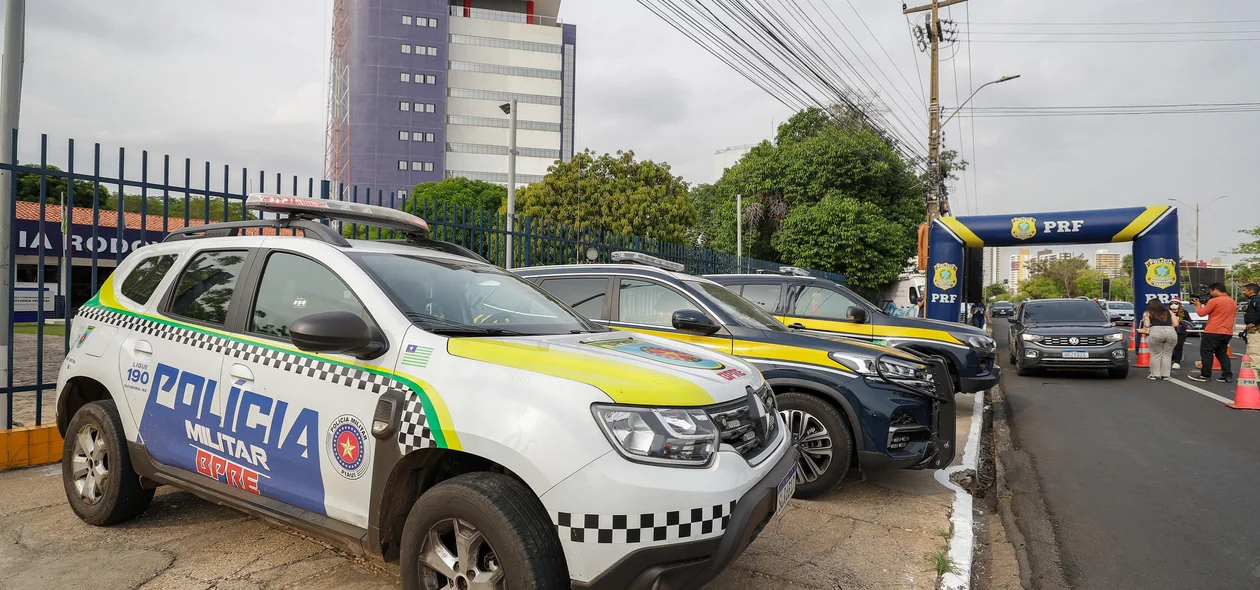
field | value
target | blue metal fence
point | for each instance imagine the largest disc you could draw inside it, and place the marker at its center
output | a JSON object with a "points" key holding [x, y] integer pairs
{"points": [[145, 207]]}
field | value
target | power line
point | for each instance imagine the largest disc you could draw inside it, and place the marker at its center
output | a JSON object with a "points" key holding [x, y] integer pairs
{"points": [[1128, 23], [962, 144], [1247, 31], [915, 54], [1108, 40], [975, 178], [922, 98]]}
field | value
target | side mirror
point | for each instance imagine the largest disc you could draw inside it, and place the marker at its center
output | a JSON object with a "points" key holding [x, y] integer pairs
{"points": [[692, 320], [914, 296], [856, 314], [339, 332]]}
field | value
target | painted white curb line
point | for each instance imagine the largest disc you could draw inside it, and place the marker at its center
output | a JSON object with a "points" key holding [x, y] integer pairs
{"points": [[962, 540]]}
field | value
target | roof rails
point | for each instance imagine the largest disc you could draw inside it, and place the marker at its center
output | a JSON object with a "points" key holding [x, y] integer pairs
{"points": [[310, 229], [644, 259], [794, 271]]}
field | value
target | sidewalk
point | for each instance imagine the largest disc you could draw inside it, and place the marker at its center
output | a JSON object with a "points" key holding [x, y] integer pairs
{"points": [[884, 532]]}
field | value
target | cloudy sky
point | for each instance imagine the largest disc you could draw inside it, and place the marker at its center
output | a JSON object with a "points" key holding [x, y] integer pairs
{"points": [[243, 83]]}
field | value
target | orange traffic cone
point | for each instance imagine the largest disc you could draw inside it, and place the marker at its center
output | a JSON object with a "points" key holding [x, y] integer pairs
{"points": [[1216, 363], [1246, 395], [1132, 338], [1143, 356]]}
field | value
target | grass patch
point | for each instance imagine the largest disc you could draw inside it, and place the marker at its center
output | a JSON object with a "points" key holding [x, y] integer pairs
{"points": [[943, 564], [1006, 495], [945, 534], [32, 328]]}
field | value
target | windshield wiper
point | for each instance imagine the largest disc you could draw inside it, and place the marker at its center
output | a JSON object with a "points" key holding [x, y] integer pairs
{"points": [[439, 325]]}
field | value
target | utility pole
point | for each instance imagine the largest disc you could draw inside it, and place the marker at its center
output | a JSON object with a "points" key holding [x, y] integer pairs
{"points": [[10, 104], [935, 200], [510, 109], [1197, 209], [739, 233]]}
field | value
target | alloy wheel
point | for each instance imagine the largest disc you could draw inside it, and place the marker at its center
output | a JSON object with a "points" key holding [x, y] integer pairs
{"points": [[812, 440], [89, 464], [455, 555]]}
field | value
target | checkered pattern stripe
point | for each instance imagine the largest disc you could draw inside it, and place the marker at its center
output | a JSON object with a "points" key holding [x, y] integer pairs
{"points": [[415, 432], [655, 527]]}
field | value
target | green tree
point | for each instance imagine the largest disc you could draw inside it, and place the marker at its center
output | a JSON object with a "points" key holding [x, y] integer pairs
{"points": [[1126, 264], [816, 156], [613, 193], [174, 208], [1089, 282], [844, 235], [1062, 271], [459, 192], [1247, 270], [55, 187], [994, 290], [1040, 287]]}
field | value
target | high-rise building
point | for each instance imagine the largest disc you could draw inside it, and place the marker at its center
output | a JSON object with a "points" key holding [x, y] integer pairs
{"points": [[992, 265], [417, 88], [1109, 263], [1020, 267], [727, 157]]}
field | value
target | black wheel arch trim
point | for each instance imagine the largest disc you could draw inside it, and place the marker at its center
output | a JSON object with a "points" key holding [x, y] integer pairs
{"points": [[832, 395]]}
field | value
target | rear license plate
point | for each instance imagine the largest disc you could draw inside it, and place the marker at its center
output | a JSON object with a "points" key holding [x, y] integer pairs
{"points": [[1075, 354], [787, 487]]}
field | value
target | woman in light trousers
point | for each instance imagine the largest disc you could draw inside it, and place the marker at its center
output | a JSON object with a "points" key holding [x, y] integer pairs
{"points": [[1161, 337]]}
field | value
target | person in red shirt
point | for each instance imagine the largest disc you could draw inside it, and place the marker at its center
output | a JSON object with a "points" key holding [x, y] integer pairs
{"points": [[1220, 311]]}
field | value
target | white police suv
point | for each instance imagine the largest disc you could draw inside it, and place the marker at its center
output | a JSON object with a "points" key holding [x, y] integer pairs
{"points": [[407, 400]]}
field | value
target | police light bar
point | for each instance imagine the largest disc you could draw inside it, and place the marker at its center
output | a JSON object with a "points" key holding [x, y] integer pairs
{"points": [[641, 258], [340, 211], [794, 271]]}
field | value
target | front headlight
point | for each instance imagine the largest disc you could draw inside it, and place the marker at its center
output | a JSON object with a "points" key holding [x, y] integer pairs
{"points": [[981, 342], [891, 367], [1118, 336], [1030, 337], [682, 437]]}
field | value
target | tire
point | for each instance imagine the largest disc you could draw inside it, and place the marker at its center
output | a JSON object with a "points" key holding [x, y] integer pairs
{"points": [[823, 438], [512, 536], [1024, 371], [1118, 373], [1011, 357], [96, 472]]}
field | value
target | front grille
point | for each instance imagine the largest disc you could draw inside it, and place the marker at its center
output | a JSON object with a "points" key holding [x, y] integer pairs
{"points": [[739, 430], [902, 418], [1081, 341]]}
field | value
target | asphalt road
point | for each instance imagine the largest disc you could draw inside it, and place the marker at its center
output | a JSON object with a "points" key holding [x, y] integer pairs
{"points": [[1149, 484]]}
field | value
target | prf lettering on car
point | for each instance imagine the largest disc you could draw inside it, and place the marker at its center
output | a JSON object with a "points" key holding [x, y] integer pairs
{"points": [[241, 438]]}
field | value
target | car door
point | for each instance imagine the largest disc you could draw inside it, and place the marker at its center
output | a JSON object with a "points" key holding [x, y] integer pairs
{"points": [[314, 411], [767, 296], [587, 295], [176, 359], [817, 307], [645, 305]]}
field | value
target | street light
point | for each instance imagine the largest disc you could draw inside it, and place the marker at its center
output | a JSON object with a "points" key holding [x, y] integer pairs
{"points": [[509, 109], [973, 94], [1197, 209]]}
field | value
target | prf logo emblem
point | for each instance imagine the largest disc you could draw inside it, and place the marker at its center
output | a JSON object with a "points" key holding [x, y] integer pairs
{"points": [[1023, 228], [1161, 273], [945, 275]]}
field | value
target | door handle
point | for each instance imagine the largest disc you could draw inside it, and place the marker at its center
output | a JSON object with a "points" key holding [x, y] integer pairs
{"points": [[143, 347], [240, 372]]}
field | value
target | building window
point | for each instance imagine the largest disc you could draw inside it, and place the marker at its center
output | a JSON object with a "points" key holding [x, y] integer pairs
{"points": [[404, 106], [406, 48], [428, 166], [431, 50], [417, 136], [430, 79], [406, 20], [402, 135], [429, 108], [429, 137], [417, 166], [419, 107], [405, 77], [402, 193], [465, 66], [502, 96], [402, 164], [505, 43], [433, 23], [502, 150], [502, 122]]}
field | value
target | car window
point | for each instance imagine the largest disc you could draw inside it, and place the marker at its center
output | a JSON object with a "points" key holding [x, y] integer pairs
{"points": [[765, 296], [585, 295], [293, 287], [461, 297], [1049, 312], [648, 303], [140, 283], [744, 312], [205, 286], [816, 302]]}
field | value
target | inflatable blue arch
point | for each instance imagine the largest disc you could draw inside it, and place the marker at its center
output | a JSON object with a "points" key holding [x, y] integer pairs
{"points": [[1153, 231]]}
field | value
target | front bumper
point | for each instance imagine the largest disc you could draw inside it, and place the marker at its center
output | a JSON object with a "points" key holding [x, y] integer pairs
{"points": [[679, 566], [930, 443], [981, 371], [1112, 356]]}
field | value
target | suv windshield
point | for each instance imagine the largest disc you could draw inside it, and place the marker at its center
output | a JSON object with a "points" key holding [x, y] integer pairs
{"points": [[744, 311], [1063, 312], [1120, 305], [1003, 304], [468, 298]]}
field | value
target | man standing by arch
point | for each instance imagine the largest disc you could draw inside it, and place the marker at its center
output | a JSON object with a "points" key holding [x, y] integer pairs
{"points": [[1220, 311]]}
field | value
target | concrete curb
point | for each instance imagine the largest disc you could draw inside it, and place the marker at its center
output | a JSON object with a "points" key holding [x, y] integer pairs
{"points": [[962, 539]]}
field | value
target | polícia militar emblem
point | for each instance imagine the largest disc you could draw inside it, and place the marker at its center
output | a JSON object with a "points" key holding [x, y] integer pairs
{"points": [[945, 275], [1023, 228], [1161, 273]]}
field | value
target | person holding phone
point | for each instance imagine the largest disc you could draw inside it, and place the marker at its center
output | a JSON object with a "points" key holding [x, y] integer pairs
{"points": [[1181, 320], [1220, 310]]}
